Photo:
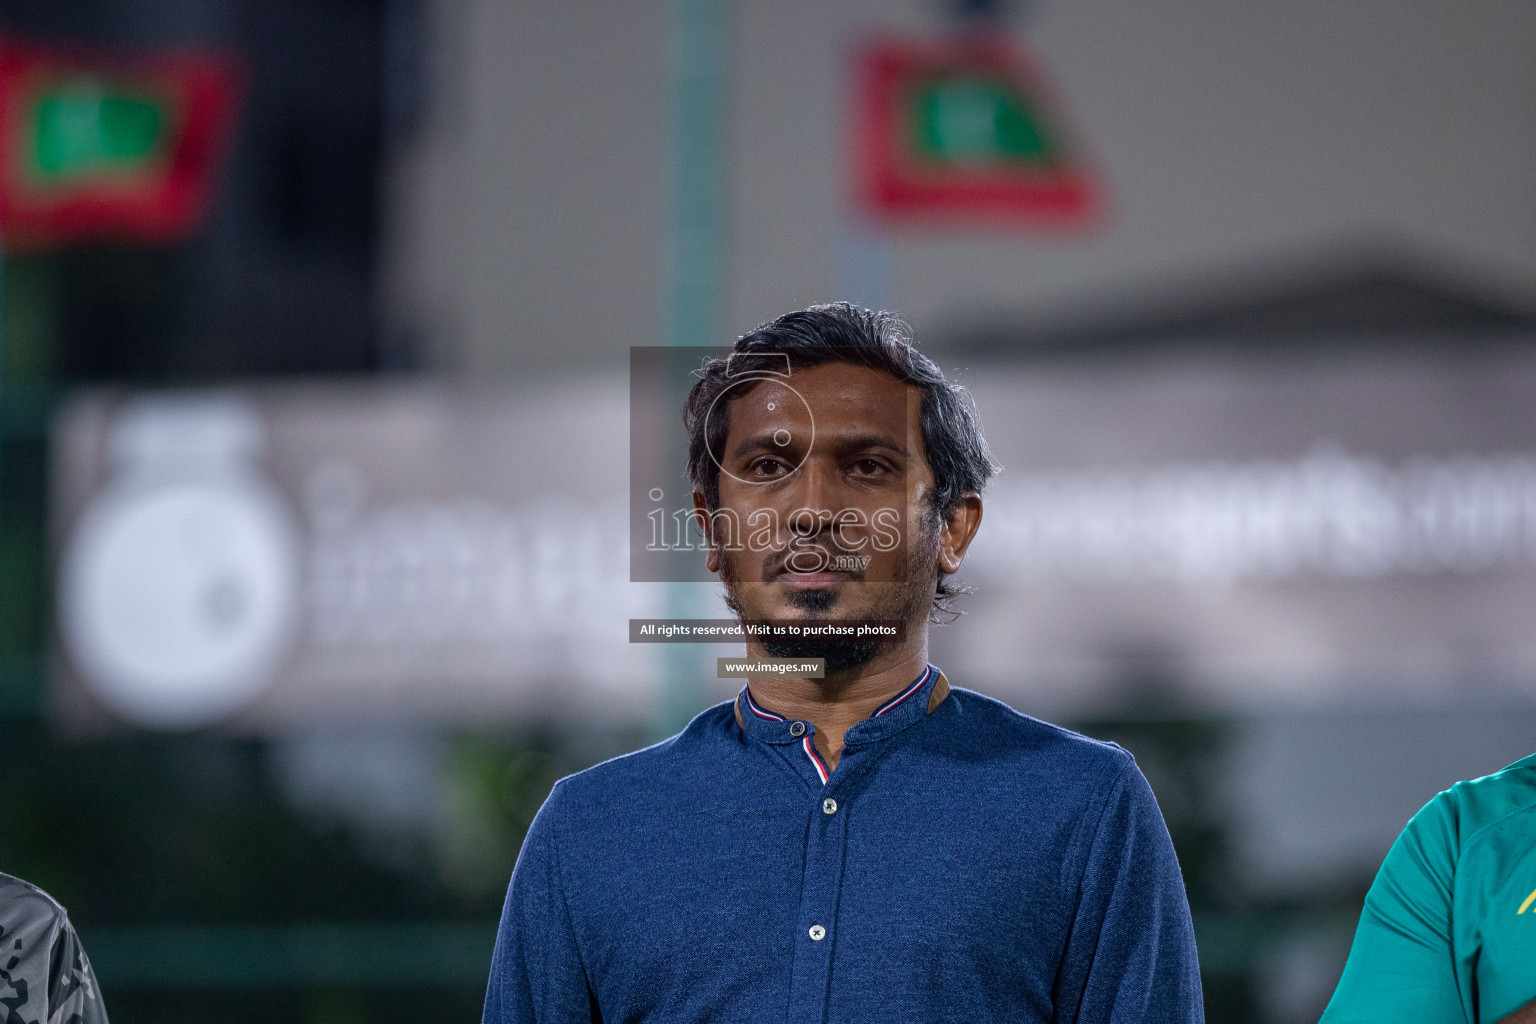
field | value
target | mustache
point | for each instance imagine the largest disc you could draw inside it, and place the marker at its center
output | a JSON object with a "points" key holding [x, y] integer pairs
{"points": [[778, 563]]}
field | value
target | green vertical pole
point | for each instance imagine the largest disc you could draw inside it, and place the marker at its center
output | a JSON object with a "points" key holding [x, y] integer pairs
{"points": [[695, 243], [28, 325], [695, 246]]}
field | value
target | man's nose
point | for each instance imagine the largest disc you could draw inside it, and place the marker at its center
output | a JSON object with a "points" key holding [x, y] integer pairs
{"points": [[806, 521], [814, 499]]}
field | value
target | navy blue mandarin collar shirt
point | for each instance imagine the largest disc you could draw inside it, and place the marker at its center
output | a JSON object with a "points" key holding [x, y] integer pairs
{"points": [[964, 862]]}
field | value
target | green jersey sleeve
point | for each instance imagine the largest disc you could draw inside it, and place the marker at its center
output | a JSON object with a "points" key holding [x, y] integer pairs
{"points": [[1402, 966]]}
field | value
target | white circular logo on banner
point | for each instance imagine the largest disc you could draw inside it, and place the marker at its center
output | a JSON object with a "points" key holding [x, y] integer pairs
{"points": [[178, 592]]}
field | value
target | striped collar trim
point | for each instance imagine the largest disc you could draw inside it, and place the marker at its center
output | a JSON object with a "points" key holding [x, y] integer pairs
{"points": [[899, 711], [754, 709], [909, 691]]}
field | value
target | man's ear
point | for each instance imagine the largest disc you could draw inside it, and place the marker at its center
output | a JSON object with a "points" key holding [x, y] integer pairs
{"points": [[701, 513], [955, 536]]}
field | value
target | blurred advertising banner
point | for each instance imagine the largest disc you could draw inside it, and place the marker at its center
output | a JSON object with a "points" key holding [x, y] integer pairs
{"points": [[1222, 533], [99, 143], [1257, 531], [283, 555]]}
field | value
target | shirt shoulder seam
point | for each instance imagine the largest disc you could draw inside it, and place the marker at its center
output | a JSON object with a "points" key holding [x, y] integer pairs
{"points": [[1102, 796], [57, 914], [978, 699], [1481, 831]]}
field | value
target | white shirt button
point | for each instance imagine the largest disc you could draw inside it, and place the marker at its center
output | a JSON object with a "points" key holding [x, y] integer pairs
{"points": [[829, 806], [818, 933]]}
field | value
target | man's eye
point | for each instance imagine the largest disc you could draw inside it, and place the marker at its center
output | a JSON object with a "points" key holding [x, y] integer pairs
{"points": [[869, 467], [767, 467]]}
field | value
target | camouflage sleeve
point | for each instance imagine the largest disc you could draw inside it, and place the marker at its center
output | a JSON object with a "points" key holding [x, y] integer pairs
{"points": [[45, 977]]}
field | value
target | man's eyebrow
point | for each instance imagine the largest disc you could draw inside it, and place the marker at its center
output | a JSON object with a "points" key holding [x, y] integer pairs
{"points": [[760, 443], [840, 445], [868, 442]]}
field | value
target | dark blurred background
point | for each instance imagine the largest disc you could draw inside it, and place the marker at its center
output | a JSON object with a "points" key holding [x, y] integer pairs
{"points": [[427, 199]]}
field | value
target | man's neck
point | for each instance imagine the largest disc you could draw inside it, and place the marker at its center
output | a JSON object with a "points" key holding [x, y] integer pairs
{"points": [[836, 704]]}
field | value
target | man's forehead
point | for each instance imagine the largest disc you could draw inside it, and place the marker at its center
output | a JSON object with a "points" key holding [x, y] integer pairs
{"points": [[840, 392]]}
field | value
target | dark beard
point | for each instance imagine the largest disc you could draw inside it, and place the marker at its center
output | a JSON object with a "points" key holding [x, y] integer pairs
{"points": [[843, 655], [838, 655]]}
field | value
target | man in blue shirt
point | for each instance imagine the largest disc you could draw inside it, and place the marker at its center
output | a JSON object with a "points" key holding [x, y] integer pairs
{"points": [[874, 845]]}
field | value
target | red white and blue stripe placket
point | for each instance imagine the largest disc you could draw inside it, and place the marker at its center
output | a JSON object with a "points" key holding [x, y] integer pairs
{"points": [[810, 752], [805, 741]]}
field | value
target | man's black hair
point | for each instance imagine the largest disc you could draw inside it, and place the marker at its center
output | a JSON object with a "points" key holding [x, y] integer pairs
{"points": [[844, 333]]}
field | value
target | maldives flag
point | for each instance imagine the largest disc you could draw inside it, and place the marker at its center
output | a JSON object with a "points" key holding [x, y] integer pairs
{"points": [[98, 144], [966, 131]]}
